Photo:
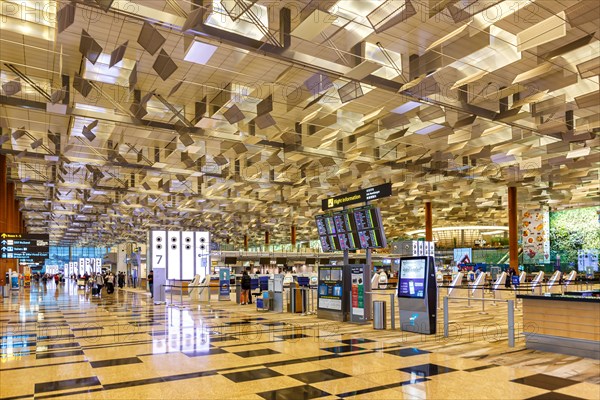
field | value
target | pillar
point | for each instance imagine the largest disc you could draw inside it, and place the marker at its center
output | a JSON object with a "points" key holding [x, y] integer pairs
{"points": [[267, 238], [428, 222], [513, 250], [10, 207], [293, 237], [245, 242], [3, 212]]}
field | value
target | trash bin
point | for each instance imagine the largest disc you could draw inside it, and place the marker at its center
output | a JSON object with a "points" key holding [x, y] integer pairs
{"points": [[379, 316]]}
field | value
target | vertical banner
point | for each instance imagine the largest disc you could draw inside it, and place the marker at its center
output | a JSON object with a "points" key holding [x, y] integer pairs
{"points": [[88, 265], [82, 266], [224, 289], [187, 255], [536, 236], [98, 265], [158, 240], [202, 249], [358, 292], [174, 254]]}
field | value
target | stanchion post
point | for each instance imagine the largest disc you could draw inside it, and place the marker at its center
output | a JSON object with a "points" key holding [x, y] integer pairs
{"points": [[482, 301], [171, 294], [468, 297], [445, 316], [511, 323], [392, 311]]}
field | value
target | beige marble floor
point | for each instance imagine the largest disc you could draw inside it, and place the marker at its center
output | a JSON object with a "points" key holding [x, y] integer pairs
{"points": [[66, 344]]}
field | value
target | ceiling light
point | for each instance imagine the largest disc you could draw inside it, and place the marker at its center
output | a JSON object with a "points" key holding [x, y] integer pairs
{"points": [[200, 52]]}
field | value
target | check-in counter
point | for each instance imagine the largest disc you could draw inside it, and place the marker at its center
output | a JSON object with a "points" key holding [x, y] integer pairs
{"points": [[562, 324]]}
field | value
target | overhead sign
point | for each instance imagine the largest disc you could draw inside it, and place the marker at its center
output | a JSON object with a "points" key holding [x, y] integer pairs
{"points": [[24, 247], [360, 196]]}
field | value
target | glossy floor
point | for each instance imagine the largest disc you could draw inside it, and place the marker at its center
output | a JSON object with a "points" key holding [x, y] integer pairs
{"points": [[65, 343]]}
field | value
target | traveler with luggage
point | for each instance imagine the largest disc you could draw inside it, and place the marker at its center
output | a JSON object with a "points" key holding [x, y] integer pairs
{"points": [[99, 280]]}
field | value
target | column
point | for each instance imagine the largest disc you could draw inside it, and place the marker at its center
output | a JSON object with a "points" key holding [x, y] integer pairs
{"points": [[3, 213], [513, 250], [428, 222], [246, 242], [267, 240], [10, 207], [293, 237]]}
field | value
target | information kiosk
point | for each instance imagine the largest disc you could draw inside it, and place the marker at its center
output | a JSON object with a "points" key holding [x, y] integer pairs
{"points": [[344, 293], [417, 294]]}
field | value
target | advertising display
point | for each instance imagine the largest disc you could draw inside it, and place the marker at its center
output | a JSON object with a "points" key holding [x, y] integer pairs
{"points": [[412, 277], [463, 255], [26, 277], [14, 281], [358, 292], [330, 288], [536, 236], [224, 283], [359, 228]]}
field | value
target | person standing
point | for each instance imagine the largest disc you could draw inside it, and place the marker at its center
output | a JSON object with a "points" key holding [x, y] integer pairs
{"points": [[151, 283], [246, 286]]}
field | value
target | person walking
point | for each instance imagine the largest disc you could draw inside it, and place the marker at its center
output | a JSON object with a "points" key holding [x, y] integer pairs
{"points": [[151, 283], [110, 283], [246, 286], [99, 283]]}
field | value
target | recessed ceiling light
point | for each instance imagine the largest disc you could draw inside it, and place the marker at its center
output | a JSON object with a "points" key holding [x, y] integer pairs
{"points": [[200, 52]]}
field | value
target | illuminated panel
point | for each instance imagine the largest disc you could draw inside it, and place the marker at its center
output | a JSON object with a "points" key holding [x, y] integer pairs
{"points": [[188, 253], [158, 241], [174, 255]]}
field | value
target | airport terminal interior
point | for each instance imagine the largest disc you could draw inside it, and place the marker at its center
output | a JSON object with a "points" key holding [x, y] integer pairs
{"points": [[261, 199]]}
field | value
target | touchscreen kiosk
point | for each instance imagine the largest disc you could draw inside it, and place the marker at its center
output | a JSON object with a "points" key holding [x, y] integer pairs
{"points": [[417, 294]]}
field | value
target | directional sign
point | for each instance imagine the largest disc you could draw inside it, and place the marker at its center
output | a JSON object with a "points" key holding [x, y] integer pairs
{"points": [[23, 247], [360, 196]]}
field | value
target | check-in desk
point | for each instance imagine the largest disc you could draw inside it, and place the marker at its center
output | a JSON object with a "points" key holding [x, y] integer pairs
{"points": [[562, 324]]}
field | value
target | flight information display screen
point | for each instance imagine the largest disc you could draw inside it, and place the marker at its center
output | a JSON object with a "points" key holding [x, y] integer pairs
{"points": [[359, 228]]}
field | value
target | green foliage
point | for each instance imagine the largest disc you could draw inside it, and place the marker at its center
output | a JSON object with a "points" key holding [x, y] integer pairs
{"points": [[573, 230]]}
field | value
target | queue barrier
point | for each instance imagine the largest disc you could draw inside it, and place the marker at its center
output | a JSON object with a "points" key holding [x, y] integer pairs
{"points": [[510, 317]]}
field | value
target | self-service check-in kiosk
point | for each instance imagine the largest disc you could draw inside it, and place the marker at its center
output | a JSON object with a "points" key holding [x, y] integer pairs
{"points": [[417, 293]]}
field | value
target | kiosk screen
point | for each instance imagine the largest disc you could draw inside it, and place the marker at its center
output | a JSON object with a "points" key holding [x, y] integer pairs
{"points": [[412, 276]]}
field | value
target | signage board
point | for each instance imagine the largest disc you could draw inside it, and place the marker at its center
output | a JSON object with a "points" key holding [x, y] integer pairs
{"points": [[24, 247], [360, 196], [224, 284]]}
